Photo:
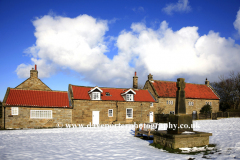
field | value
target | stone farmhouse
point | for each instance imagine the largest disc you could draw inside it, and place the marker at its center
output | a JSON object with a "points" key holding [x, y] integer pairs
{"points": [[32, 104], [197, 95]]}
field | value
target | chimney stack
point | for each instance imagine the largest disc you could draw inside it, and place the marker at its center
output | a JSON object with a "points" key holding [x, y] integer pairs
{"points": [[34, 72], [150, 77], [207, 82], [135, 81]]}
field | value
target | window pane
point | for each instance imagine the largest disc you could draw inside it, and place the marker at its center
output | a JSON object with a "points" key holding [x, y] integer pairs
{"points": [[14, 110], [129, 113], [41, 114], [129, 97], [110, 114]]}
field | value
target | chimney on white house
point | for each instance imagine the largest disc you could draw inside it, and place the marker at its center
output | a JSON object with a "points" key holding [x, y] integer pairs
{"points": [[135, 81], [34, 72]]}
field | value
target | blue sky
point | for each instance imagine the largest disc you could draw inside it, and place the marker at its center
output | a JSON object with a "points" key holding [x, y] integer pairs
{"points": [[102, 43]]}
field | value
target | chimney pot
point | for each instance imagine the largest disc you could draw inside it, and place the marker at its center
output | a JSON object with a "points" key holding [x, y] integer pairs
{"points": [[150, 77], [135, 81], [34, 72], [207, 82]]}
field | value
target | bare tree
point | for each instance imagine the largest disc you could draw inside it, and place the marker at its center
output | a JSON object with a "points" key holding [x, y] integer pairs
{"points": [[140, 86], [229, 91], [160, 109]]}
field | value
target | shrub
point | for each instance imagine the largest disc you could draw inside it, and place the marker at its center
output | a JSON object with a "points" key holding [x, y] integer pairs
{"points": [[206, 109]]}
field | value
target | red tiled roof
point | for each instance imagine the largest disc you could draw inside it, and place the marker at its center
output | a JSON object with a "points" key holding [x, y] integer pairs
{"points": [[168, 89], [18, 97], [80, 92]]}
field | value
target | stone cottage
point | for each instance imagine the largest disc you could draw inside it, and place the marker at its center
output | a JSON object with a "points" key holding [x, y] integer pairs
{"points": [[197, 95], [32, 104], [110, 105]]}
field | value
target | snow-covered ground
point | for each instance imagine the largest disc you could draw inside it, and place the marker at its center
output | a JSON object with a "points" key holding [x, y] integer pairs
{"points": [[110, 143]]}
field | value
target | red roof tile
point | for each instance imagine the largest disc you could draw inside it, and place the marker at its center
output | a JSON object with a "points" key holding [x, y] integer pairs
{"points": [[80, 92], [168, 89], [18, 97]]}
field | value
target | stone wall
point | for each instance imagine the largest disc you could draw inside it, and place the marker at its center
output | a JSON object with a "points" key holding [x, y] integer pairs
{"points": [[198, 104], [82, 111], [150, 88], [23, 120], [1, 117], [33, 83]]}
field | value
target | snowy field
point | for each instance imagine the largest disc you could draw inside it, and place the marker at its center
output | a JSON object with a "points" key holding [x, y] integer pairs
{"points": [[110, 143]]}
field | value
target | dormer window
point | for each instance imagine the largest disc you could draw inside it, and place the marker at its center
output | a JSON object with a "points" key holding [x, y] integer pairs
{"points": [[95, 93], [107, 94], [96, 96], [129, 97]]}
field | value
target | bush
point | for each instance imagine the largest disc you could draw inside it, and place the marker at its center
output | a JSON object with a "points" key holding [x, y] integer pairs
{"points": [[206, 109]]}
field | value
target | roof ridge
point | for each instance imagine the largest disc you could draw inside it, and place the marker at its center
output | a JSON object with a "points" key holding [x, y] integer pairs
{"points": [[105, 87], [176, 82], [37, 90]]}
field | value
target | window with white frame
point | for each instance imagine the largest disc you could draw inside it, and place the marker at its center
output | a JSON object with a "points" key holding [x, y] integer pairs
{"points": [[95, 95], [170, 102], [129, 113], [110, 113], [129, 97], [190, 103], [14, 110], [209, 103], [151, 104], [171, 112], [41, 114]]}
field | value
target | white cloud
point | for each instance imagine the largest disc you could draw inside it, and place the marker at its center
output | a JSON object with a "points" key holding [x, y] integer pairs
{"points": [[80, 44], [73, 43], [167, 54], [180, 6], [237, 22]]}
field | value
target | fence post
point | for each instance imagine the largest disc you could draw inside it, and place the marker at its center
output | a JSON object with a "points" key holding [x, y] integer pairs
{"points": [[228, 114], [211, 115]]}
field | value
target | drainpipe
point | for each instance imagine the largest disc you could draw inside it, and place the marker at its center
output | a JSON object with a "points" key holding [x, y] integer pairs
{"points": [[116, 113]]}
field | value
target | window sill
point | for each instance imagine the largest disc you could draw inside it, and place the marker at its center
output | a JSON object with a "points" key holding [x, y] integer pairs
{"points": [[129, 118]]}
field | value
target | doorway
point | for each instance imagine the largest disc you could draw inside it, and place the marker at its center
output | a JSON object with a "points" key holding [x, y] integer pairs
{"points": [[151, 116], [95, 117]]}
